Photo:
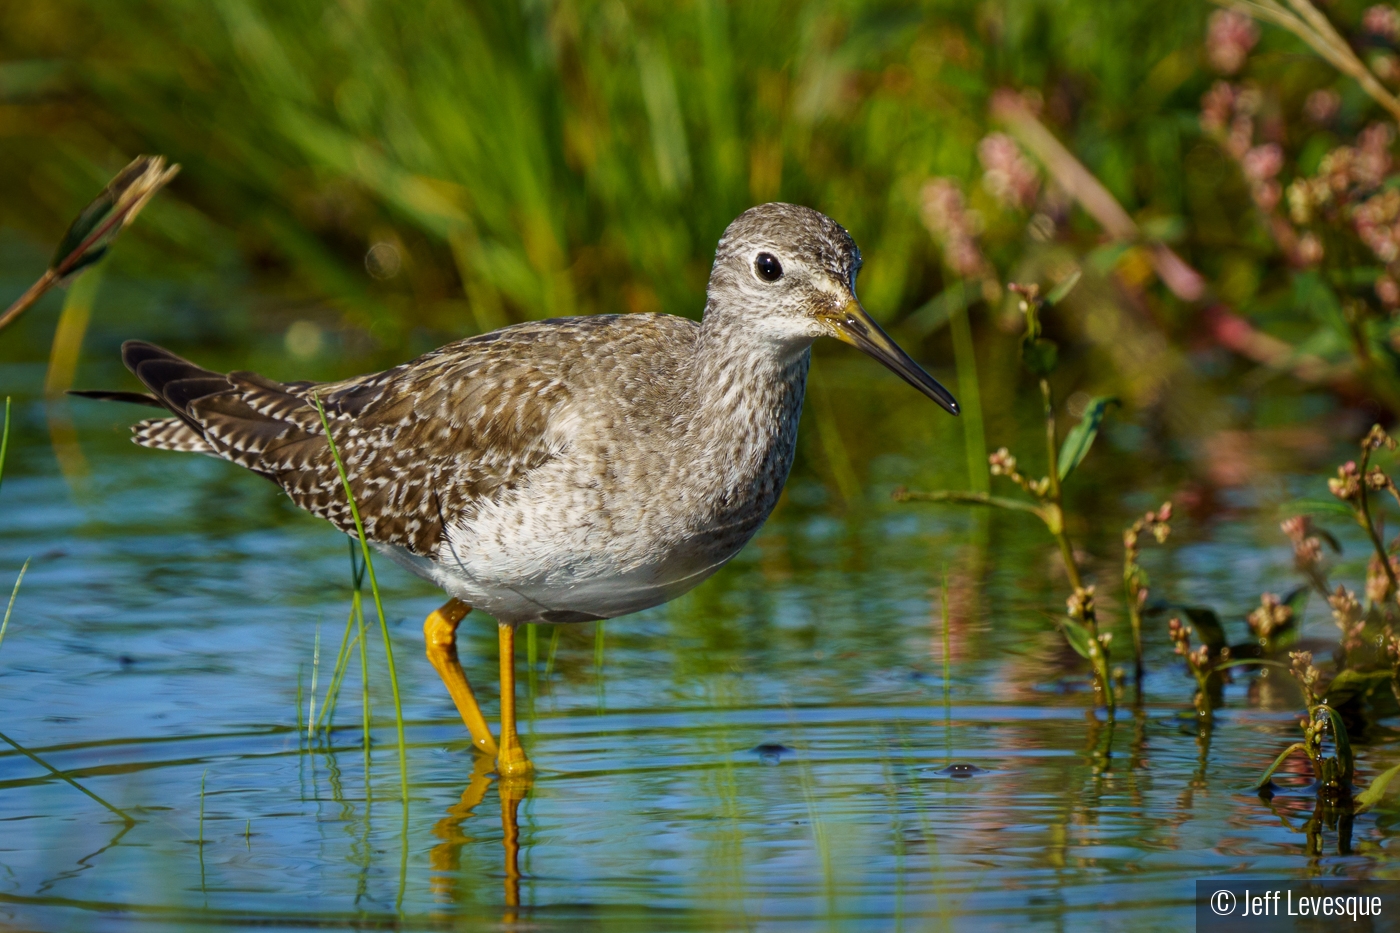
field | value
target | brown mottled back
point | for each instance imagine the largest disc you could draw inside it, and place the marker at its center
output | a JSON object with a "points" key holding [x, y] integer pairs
{"points": [[422, 442]]}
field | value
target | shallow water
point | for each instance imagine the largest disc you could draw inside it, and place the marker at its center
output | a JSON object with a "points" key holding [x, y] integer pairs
{"points": [[772, 751]]}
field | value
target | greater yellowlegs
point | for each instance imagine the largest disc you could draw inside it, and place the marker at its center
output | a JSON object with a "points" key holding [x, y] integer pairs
{"points": [[569, 470]]}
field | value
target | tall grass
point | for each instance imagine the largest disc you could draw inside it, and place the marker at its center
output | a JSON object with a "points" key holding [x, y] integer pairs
{"points": [[378, 605], [545, 159]]}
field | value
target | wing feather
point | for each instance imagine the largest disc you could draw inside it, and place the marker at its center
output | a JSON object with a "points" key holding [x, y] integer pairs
{"points": [[423, 443]]}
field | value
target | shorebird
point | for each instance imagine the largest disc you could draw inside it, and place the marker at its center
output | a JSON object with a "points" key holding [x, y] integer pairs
{"points": [[561, 471]]}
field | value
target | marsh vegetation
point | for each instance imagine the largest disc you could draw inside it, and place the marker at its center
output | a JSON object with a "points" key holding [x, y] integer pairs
{"points": [[1131, 621]]}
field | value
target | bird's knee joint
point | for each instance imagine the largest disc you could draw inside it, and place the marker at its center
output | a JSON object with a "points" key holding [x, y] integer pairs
{"points": [[440, 628]]}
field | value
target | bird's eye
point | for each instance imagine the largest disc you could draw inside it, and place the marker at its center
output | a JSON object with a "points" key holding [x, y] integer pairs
{"points": [[768, 267]]}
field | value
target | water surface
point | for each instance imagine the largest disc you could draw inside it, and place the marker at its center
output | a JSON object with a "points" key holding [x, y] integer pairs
{"points": [[776, 750]]}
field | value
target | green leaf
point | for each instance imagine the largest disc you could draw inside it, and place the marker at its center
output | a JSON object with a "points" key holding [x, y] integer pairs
{"points": [[1316, 507], [1297, 600], [1058, 293], [1278, 762], [1081, 437], [1372, 795], [1349, 684], [1077, 636], [83, 226], [1209, 631], [1345, 758], [1039, 356]]}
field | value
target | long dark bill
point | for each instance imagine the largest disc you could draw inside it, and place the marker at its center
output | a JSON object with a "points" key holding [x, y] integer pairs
{"points": [[857, 328]]}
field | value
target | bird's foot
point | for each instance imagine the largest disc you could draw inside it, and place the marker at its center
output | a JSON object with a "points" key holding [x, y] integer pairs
{"points": [[512, 761]]}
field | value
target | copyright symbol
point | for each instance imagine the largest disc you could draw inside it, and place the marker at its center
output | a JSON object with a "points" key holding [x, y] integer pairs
{"points": [[1223, 902]]}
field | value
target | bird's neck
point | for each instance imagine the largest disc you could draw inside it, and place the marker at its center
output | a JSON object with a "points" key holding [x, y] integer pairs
{"points": [[746, 398]]}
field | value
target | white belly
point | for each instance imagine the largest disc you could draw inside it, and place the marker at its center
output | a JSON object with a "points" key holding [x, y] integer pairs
{"points": [[580, 591], [561, 552]]}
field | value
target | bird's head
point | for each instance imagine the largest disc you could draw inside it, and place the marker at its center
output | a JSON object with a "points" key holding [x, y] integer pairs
{"points": [[788, 274]]}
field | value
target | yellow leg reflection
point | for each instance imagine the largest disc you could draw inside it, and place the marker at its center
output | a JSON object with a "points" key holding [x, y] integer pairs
{"points": [[445, 859], [440, 635], [511, 761], [513, 790]]}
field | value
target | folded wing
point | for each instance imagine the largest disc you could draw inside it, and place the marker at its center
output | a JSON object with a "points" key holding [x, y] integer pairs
{"points": [[422, 443]]}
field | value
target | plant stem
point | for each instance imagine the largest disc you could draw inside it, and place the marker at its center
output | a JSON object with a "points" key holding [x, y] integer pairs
{"points": [[378, 602], [342, 659], [1130, 593], [1316, 30], [1364, 517], [1055, 520], [315, 669], [970, 498], [13, 594], [5, 439], [358, 604], [31, 295]]}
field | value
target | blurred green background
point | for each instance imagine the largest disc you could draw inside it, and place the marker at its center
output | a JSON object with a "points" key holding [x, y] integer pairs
{"points": [[363, 181], [533, 159]]}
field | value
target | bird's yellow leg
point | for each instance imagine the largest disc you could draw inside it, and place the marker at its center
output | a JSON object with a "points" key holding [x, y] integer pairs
{"points": [[440, 635], [511, 760]]}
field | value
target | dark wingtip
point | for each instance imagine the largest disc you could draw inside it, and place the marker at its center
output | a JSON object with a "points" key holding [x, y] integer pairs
{"points": [[136, 352], [132, 398]]}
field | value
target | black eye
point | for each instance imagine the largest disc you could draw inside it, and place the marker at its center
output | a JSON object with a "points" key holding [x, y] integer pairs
{"points": [[768, 267]]}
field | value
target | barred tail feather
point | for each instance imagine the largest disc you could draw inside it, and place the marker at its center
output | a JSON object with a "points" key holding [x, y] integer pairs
{"points": [[170, 434]]}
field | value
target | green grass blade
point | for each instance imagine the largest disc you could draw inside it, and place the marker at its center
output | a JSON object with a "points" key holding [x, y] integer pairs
{"points": [[315, 669], [4, 440], [374, 589], [64, 777], [11, 742], [364, 680], [13, 594], [342, 661]]}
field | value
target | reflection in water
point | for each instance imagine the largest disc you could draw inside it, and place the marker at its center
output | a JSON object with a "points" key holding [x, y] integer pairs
{"points": [[447, 878], [763, 752], [445, 859], [512, 790]]}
